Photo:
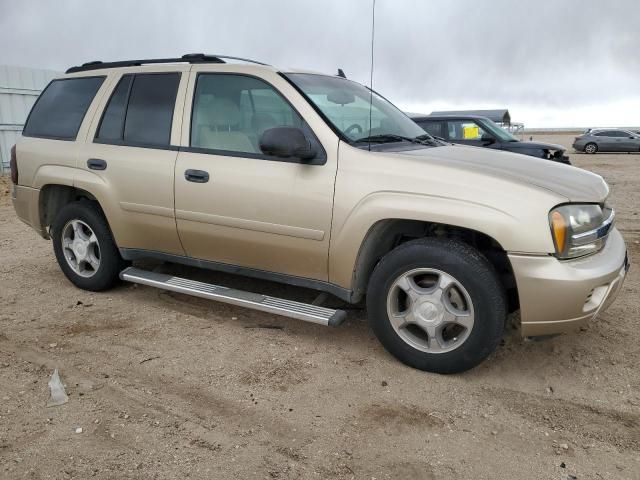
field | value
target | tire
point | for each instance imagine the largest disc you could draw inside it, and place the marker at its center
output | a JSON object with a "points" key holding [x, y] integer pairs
{"points": [[591, 148], [87, 274], [480, 302]]}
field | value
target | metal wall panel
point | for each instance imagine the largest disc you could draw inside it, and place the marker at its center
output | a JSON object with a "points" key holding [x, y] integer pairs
{"points": [[19, 89]]}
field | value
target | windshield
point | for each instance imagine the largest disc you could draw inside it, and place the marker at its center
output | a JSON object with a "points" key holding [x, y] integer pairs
{"points": [[346, 105], [500, 133]]}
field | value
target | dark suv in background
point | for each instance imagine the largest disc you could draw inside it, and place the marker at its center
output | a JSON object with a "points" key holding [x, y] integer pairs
{"points": [[479, 131]]}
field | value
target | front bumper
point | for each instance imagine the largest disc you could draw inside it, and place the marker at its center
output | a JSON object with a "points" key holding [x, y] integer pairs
{"points": [[560, 296]]}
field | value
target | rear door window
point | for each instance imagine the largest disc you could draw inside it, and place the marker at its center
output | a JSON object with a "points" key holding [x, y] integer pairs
{"points": [[140, 111], [434, 128], [112, 124], [60, 109], [618, 134], [150, 111]]}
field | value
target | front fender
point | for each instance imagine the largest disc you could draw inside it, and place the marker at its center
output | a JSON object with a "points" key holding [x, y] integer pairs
{"points": [[528, 232]]}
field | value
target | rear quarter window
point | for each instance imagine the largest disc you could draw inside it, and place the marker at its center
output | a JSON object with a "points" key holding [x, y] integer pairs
{"points": [[60, 109]]}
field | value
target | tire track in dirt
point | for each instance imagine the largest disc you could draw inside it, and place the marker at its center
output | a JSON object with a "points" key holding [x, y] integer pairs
{"points": [[617, 428], [188, 403]]}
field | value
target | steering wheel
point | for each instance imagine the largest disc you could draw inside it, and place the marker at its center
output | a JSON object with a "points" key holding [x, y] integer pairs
{"points": [[354, 126]]}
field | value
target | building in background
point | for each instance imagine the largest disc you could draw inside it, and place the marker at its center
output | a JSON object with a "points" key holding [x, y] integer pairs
{"points": [[19, 89]]}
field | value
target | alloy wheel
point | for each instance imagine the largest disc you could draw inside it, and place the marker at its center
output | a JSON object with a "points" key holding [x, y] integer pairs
{"points": [[81, 248], [430, 310]]}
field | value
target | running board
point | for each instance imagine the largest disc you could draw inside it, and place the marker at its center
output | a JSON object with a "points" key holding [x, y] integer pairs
{"points": [[264, 303]]}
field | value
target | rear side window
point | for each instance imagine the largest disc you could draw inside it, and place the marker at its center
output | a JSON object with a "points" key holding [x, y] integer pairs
{"points": [[140, 111], [60, 109], [618, 134], [611, 133], [434, 128]]}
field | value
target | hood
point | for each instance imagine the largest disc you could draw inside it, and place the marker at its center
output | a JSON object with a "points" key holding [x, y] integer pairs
{"points": [[575, 184], [532, 145]]}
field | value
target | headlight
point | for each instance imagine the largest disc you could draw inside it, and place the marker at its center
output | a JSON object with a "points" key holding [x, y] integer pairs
{"points": [[579, 230]]}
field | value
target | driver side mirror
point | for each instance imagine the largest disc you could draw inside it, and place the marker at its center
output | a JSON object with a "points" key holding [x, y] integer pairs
{"points": [[287, 142], [487, 139]]}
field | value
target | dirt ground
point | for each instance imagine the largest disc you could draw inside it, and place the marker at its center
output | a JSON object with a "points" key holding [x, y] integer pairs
{"points": [[167, 386]]}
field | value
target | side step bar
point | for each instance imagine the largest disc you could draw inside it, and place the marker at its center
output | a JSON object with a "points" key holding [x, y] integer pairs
{"points": [[264, 303]]}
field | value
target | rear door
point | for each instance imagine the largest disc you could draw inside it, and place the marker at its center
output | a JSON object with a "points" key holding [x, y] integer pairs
{"points": [[132, 150], [609, 141], [238, 206]]}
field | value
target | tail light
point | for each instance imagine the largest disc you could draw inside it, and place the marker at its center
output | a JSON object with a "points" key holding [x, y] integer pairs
{"points": [[13, 165]]}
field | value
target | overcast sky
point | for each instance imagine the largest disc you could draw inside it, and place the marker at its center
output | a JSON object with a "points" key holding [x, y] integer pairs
{"points": [[553, 63]]}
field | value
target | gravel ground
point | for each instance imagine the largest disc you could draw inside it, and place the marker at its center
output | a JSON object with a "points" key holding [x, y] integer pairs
{"points": [[168, 386]]}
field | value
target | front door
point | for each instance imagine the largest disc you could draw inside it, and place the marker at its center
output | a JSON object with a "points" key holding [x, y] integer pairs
{"points": [[630, 142], [237, 206]]}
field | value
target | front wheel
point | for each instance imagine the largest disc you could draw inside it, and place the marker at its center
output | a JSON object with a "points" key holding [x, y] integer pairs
{"points": [[437, 305], [84, 247]]}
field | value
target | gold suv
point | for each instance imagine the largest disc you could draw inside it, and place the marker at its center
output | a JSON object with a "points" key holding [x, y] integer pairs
{"points": [[311, 180]]}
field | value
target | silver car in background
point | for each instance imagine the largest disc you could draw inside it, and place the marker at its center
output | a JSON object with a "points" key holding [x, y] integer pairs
{"points": [[607, 140]]}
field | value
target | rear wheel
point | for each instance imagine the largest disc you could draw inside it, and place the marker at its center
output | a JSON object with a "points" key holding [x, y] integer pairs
{"points": [[591, 148], [436, 305], [84, 247]]}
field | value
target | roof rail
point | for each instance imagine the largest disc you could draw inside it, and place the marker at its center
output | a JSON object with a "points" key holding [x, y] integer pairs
{"points": [[188, 58]]}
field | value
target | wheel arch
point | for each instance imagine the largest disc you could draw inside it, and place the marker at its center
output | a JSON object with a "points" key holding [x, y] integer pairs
{"points": [[53, 197], [387, 234]]}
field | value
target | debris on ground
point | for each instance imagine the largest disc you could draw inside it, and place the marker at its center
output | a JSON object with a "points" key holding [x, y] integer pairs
{"points": [[58, 394], [149, 359]]}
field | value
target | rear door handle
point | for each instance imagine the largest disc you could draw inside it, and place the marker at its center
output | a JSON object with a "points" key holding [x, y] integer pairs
{"points": [[96, 164], [196, 176]]}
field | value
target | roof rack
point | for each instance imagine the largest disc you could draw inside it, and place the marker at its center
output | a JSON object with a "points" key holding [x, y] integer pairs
{"points": [[188, 58]]}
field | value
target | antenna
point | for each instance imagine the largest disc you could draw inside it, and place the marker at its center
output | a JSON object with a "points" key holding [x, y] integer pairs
{"points": [[373, 29]]}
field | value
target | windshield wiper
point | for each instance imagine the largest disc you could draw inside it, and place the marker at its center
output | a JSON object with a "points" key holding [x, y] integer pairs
{"points": [[384, 138], [392, 137], [429, 139]]}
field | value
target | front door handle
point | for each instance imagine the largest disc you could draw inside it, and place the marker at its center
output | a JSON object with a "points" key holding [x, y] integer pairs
{"points": [[96, 164], [196, 176]]}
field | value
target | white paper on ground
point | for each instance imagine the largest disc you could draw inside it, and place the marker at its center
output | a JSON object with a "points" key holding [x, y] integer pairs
{"points": [[58, 395]]}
